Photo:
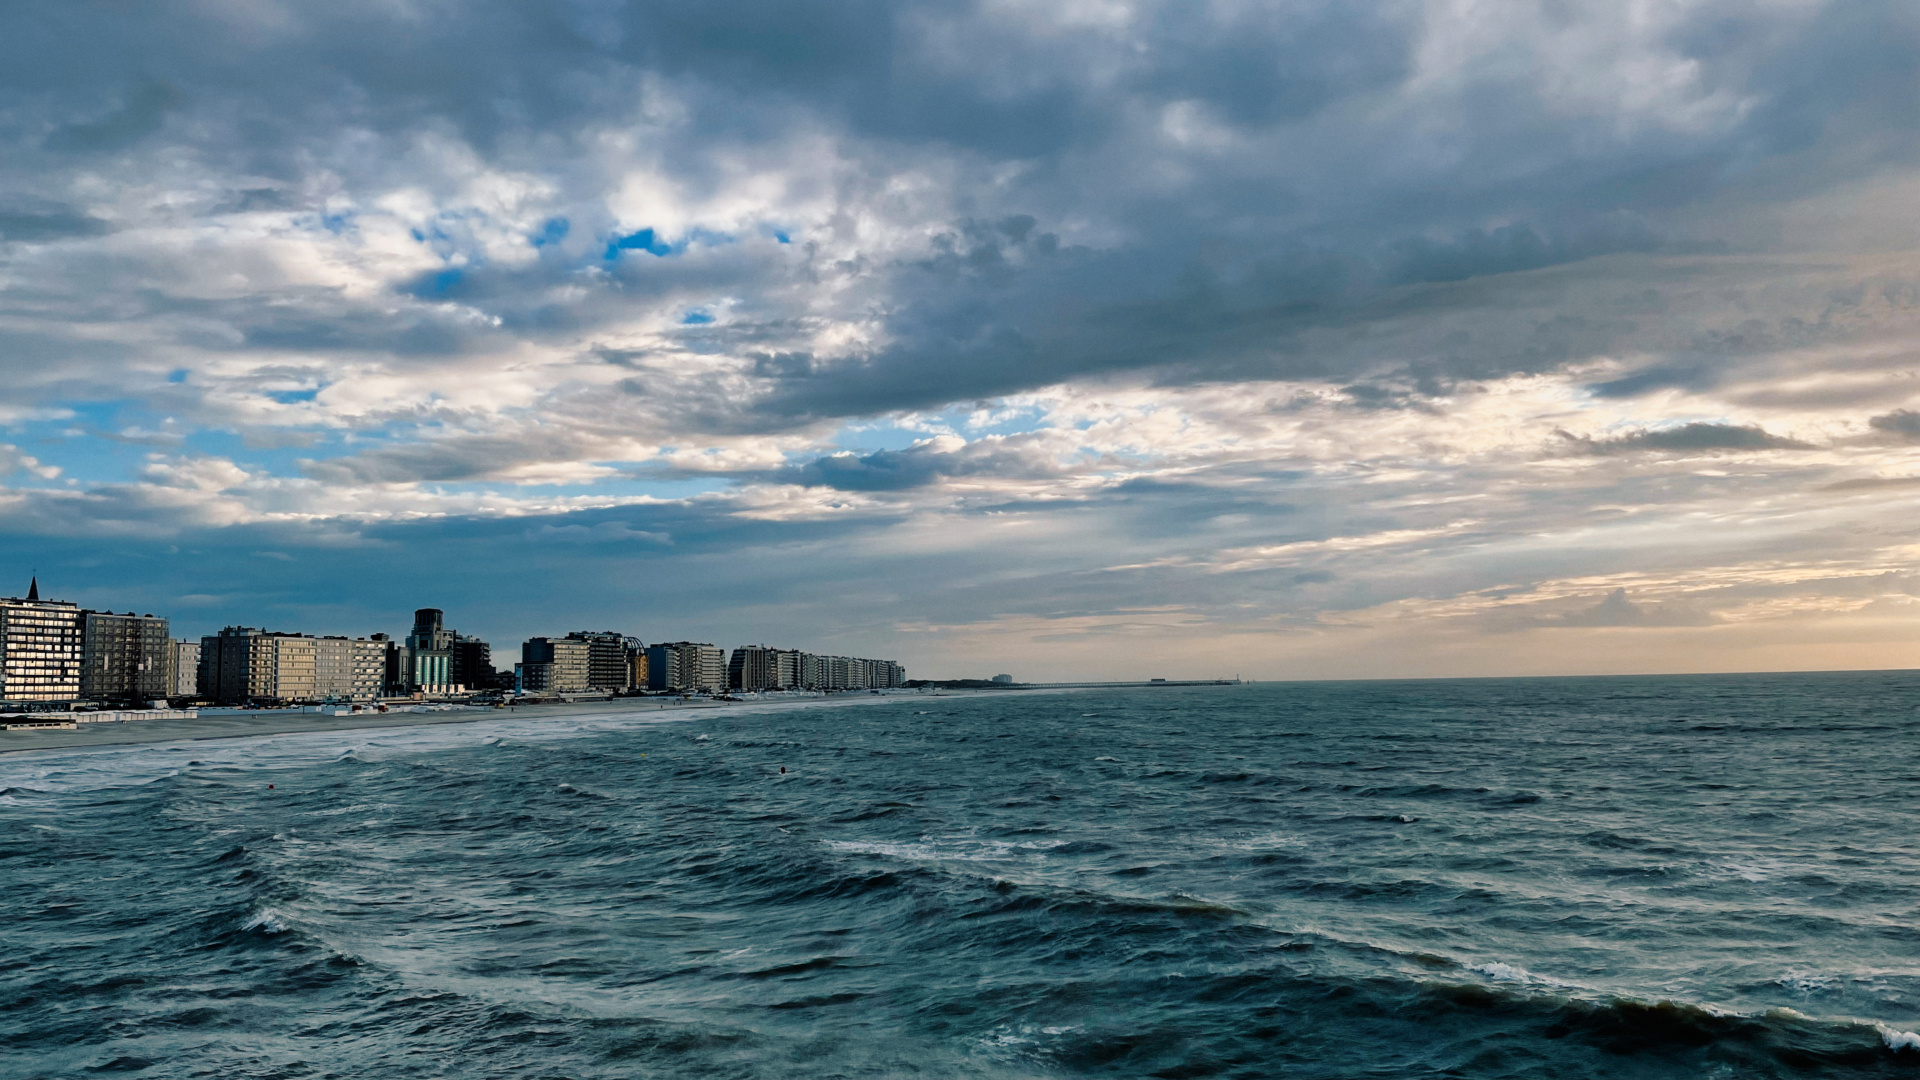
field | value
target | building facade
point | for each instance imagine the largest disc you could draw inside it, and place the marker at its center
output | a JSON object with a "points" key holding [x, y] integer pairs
{"points": [[753, 667], [686, 667], [427, 666], [40, 648], [183, 677], [607, 664], [555, 666], [124, 657], [348, 669], [471, 662], [815, 672], [244, 665]]}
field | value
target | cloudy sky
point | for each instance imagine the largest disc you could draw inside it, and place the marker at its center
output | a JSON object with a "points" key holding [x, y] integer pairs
{"points": [[1073, 339]]}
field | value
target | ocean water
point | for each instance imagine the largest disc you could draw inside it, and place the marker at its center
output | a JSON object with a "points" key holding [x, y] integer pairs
{"points": [[1627, 877]]}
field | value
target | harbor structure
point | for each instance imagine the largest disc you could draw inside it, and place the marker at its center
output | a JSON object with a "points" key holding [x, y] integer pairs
{"points": [[40, 648], [124, 658]]}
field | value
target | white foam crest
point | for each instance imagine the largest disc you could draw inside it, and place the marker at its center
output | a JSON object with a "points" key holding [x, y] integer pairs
{"points": [[949, 850], [267, 921], [1804, 982], [1502, 972], [80, 769], [1897, 1039], [73, 769]]}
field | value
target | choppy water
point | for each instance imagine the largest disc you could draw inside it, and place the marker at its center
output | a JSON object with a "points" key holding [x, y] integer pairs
{"points": [[1649, 877]]}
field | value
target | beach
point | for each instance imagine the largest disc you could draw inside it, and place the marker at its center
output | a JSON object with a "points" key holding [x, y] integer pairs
{"points": [[238, 725]]}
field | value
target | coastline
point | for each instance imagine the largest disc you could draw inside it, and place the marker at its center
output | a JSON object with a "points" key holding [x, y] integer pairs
{"points": [[241, 725]]}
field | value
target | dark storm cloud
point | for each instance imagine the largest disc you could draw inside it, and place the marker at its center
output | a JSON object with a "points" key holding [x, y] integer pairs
{"points": [[1689, 438], [141, 114], [1681, 376], [39, 220], [1901, 424], [1213, 273], [1507, 249]]}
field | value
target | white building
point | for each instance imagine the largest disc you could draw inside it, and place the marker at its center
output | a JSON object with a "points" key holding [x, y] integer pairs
{"points": [[183, 679]]}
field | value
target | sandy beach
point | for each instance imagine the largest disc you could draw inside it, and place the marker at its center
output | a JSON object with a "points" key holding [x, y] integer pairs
{"points": [[285, 721]]}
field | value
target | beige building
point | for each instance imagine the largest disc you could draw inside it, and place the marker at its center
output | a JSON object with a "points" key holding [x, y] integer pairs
{"points": [[348, 669], [40, 648], [686, 666], [555, 666], [240, 665], [183, 679]]}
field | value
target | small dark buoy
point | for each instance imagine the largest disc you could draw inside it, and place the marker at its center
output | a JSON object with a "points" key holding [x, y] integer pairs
{"points": [[269, 787], [783, 770]]}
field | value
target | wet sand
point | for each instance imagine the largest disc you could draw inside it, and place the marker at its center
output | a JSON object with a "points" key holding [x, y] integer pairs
{"points": [[284, 722]]}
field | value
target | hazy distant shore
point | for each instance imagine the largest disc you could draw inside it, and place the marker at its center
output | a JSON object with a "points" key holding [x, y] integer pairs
{"points": [[287, 722]]}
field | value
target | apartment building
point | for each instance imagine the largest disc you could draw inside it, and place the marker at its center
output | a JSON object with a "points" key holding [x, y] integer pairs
{"points": [[686, 666], [246, 665], [124, 658], [607, 665], [40, 648], [554, 665], [183, 673]]}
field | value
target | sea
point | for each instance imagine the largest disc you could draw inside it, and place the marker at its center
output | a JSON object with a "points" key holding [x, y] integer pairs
{"points": [[1700, 876]]}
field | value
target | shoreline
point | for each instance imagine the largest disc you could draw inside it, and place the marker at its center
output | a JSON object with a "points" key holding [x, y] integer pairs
{"points": [[241, 725], [265, 722]]}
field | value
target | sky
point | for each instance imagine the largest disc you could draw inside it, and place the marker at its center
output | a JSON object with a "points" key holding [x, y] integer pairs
{"points": [[1069, 339]]}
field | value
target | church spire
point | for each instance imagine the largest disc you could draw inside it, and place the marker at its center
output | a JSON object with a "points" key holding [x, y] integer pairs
{"points": [[33, 590]]}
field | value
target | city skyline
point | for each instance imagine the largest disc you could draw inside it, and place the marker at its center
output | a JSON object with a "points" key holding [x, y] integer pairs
{"points": [[1083, 341]]}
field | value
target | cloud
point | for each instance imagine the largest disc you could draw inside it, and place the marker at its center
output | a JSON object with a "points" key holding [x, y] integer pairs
{"points": [[1900, 424], [1696, 437], [143, 111], [1617, 610], [12, 461], [1052, 311], [926, 462]]}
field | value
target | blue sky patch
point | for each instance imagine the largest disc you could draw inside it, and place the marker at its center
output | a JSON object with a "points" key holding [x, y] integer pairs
{"points": [[644, 240]]}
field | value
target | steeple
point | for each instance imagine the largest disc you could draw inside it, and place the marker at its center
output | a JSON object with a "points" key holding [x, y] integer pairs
{"points": [[33, 590]]}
